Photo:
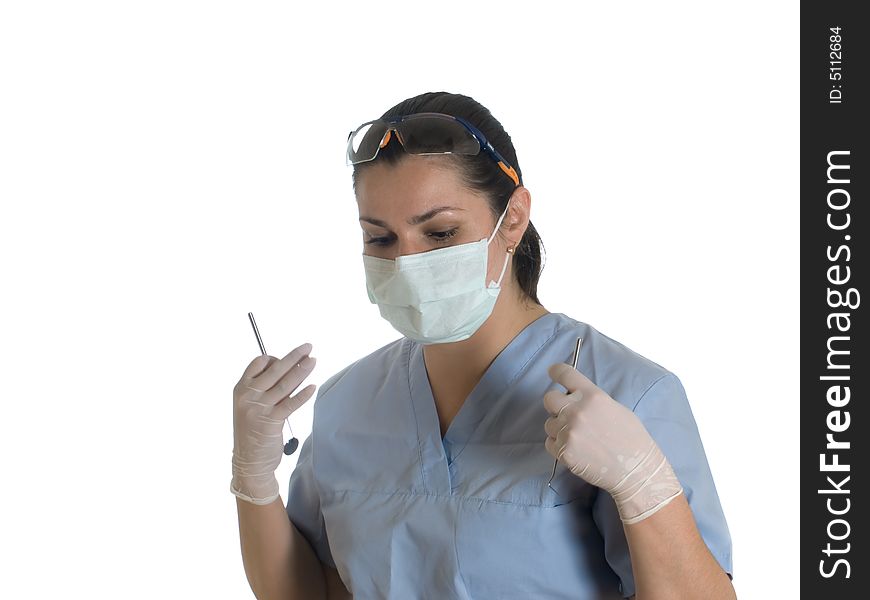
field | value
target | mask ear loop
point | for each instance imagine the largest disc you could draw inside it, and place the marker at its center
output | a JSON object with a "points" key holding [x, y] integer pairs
{"points": [[495, 284], [510, 250], [497, 225]]}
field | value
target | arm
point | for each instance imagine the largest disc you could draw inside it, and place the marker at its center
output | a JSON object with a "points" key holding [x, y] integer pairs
{"points": [[278, 561], [669, 558], [605, 443], [335, 586]]}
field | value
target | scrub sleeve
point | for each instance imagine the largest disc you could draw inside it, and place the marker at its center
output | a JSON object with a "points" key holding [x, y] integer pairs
{"points": [[303, 504], [664, 410]]}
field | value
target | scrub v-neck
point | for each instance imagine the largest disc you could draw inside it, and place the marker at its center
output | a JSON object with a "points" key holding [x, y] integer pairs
{"points": [[437, 455]]}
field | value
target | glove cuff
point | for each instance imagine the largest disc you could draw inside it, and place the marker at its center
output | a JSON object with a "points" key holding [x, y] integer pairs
{"points": [[262, 494], [647, 488]]}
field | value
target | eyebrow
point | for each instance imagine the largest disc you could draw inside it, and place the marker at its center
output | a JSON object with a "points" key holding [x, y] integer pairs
{"points": [[413, 220]]}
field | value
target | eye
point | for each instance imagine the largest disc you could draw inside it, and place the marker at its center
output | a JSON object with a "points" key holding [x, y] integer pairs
{"points": [[441, 236], [381, 241], [438, 236]]}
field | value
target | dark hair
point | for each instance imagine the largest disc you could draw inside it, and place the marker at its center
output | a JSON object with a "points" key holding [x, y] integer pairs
{"points": [[480, 173]]}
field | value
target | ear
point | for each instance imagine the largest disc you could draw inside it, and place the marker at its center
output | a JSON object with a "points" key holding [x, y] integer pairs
{"points": [[517, 217]]}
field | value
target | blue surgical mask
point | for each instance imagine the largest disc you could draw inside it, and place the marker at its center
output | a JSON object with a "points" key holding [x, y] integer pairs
{"points": [[437, 296]]}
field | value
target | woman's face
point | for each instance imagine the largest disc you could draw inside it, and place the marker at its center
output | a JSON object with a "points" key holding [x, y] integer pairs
{"points": [[421, 204]]}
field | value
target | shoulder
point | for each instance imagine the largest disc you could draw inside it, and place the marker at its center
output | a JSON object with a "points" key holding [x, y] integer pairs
{"points": [[367, 372], [618, 369], [369, 391]]}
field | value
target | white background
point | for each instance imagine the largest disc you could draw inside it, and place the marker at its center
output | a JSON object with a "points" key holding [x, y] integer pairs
{"points": [[166, 167]]}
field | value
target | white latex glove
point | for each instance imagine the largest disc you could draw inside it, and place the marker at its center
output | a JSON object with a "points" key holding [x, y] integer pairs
{"points": [[261, 402], [603, 442]]}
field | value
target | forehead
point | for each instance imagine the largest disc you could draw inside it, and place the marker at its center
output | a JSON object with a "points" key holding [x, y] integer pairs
{"points": [[412, 185]]}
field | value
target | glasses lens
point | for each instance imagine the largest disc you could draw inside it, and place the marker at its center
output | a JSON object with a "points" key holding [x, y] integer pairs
{"points": [[436, 135], [362, 145]]}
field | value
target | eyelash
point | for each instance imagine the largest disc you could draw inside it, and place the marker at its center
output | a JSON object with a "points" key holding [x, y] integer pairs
{"points": [[439, 236]]}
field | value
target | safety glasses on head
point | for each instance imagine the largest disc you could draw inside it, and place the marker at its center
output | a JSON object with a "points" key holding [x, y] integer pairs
{"points": [[422, 133]]}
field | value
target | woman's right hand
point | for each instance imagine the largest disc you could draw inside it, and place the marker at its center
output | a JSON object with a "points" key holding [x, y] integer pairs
{"points": [[261, 402]]}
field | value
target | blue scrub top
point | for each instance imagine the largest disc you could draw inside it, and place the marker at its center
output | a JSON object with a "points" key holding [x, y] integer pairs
{"points": [[403, 514]]}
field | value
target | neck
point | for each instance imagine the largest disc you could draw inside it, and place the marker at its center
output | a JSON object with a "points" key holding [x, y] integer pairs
{"points": [[468, 360]]}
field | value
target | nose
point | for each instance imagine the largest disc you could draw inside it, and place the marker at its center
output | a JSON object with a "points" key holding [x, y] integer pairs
{"points": [[408, 244]]}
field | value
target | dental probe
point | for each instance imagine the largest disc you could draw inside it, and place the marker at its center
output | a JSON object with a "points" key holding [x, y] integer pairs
{"points": [[292, 443], [574, 364]]}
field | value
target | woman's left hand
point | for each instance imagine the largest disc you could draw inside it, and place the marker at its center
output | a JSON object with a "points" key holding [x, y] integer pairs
{"points": [[605, 443]]}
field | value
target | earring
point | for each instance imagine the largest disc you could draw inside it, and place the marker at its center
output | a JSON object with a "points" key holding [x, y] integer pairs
{"points": [[510, 249]]}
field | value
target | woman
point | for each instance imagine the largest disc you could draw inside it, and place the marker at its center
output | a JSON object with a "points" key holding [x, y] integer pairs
{"points": [[426, 473]]}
